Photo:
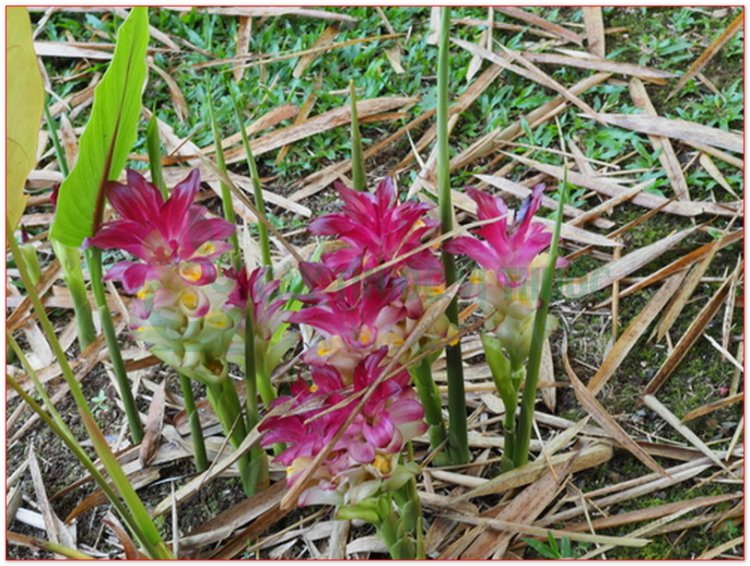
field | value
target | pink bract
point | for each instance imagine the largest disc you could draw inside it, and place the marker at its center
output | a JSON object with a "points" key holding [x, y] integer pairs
{"points": [[175, 234], [391, 417], [509, 245], [377, 228]]}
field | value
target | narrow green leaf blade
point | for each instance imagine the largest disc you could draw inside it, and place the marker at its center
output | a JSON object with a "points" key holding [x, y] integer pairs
{"points": [[109, 135], [24, 107]]}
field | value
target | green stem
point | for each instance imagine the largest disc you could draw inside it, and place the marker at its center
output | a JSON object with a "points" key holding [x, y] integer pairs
{"points": [[509, 434], [135, 515], [537, 340], [226, 197], [358, 161], [196, 430], [62, 161], [429, 395], [226, 404], [260, 205], [258, 460], [62, 431], [154, 156], [70, 258], [70, 261], [458, 444], [94, 259]]}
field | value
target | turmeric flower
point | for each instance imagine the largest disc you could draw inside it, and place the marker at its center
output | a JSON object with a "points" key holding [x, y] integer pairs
{"points": [[511, 244], [377, 228], [368, 450], [173, 236]]}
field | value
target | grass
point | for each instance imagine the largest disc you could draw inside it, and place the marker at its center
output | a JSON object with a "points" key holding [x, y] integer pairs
{"points": [[663, 38]]}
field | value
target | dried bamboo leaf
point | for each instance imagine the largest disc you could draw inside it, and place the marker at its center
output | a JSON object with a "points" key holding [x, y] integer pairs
{"points": [[648, 513], [592, 19], [476, 60], [589, 457], [523, 509], [222, 526], [270, 12], [729, 545], [647, 200], [324, 39], [656, 482], [596, 64], [687, 340], [667, 157], [684, 293], [676, 129], [244, 31], [547, 374], [154, 425], [655, 405], [533, 19], [605, 420], [175, 93], [529, 71], [490, 141], [633, 332], [710, 51], [604, 276], [304, 113], [725, 157], [714, 406], [57, 531], [128, 546], [716, 175], [69, 140], [681, 263], [318, 124], [101, 51]]}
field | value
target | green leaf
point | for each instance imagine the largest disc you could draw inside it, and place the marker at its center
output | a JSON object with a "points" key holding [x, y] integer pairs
{"points": [[109, 135], [24, 105]]}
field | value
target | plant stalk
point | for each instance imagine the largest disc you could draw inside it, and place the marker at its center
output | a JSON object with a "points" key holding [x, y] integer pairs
{"points": [[359, 179], [429, 395], [94, 260], [260, 205], [458, 444], [258, 460], [226, 197], [70, 258], [153, 146], [521, 455], [196, 430], [135, 515]]}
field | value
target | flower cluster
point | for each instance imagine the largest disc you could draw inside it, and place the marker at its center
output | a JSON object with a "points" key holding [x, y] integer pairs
{"points": [[191, 315], [511, 259], [359, 327], [365, 459]]}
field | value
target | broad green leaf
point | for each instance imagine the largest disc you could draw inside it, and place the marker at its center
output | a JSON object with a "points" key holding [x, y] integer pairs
{"points": [[109, 135], [23, 108]]}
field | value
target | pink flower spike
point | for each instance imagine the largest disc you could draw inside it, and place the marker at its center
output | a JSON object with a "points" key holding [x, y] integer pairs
{"points": [[377, 228], [174, 235], [509, 245]]}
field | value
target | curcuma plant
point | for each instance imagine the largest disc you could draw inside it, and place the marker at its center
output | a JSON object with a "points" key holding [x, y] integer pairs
{"points": [[336, 379]]}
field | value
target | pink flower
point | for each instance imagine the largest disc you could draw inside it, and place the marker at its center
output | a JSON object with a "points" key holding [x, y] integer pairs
{"points": [[353, 321], [509, 245], [377, 228], [172, 236], [391, 417], [267, 313]]}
